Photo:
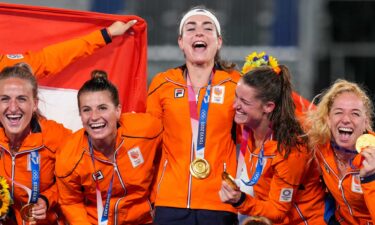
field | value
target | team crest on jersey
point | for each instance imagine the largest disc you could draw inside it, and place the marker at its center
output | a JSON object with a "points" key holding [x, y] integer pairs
{"points": [[15, 56], [98, 175], [135, 156], [286, 195], [218, 94], [179, 92]]}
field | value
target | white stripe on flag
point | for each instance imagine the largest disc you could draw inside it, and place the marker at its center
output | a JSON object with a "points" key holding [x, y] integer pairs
{"points": [[60, 104]]}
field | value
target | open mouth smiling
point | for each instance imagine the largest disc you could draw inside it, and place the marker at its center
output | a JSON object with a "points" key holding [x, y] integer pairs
{"points": [[199, 44], [345, 131], [96, 126], [14, 117]]}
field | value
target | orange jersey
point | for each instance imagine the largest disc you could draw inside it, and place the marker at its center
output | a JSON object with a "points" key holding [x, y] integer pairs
{"points": [[52, 59], [354, 200], [45, 137], [168, 100], [132, 169], [288, 191]]}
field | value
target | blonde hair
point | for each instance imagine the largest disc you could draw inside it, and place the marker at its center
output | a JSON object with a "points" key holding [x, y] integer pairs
{"points": [[316, 120]]}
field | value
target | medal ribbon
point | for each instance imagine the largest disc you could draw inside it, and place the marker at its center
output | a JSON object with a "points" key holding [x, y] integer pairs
{"points": [[336, 146], [102, 212], [260, 163], [35, 176], [199, 129], [258, 171], [241, 156]]}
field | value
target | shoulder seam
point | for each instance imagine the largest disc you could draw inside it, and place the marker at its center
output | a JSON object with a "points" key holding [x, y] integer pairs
{"points": [[157, 88], [233, 81], [148, 138], [74, 167]]}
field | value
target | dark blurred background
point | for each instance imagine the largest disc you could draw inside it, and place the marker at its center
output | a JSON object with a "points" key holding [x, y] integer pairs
{"points": [[320, 40]]}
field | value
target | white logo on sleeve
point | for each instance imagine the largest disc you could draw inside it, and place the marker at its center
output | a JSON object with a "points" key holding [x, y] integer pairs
{"points": [[15, 56], [286, 195], [135, 156]]}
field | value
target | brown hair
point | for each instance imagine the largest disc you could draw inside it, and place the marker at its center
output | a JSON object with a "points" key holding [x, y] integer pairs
{"points": [[22, 71], [277, 88], [99, 82]]}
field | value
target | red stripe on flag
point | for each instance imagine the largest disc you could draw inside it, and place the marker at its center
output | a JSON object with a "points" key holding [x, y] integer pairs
{"points": [[25, 28]]}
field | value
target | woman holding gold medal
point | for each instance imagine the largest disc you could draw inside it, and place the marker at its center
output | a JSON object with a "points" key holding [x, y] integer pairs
{"points": [[28, 146], [285, 179], [338, 128], [194, 102]]}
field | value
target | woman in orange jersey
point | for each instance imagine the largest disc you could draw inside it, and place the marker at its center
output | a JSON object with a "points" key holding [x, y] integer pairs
{"points": [[194, 102], [28, 146], [343, 114], [105, 169], [285, 180], [54, 58]]}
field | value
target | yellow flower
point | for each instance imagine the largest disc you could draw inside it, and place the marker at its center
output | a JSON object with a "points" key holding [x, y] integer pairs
{"points": [[255, 60], [5, 199], [3, 184]]}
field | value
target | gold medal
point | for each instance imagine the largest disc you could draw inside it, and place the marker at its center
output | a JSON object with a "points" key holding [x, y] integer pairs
{"points": [[26, 212], [230, 180], [364, 141], [200, 168]]}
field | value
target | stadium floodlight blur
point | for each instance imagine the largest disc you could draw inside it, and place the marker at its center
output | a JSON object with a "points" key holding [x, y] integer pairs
{"points": [[316, 39]]}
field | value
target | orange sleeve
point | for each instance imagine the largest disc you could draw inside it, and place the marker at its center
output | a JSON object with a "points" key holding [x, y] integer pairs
{"points": [[287, 177], [369, 195], [153, 100], [302, 106], [54, 58], [52, 195], [53, 133], [75, 214], [71, 200]]}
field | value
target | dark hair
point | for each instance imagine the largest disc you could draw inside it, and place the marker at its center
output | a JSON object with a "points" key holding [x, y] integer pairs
{"points": [[225, 65], [22, 71], [99, 82], [277, 88]]}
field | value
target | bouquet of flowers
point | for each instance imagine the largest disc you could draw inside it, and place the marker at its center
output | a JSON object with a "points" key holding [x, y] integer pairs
{"points": [[5, 199]]}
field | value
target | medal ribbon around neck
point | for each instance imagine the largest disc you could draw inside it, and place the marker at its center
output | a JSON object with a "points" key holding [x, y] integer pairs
{"points": [[342, 149], [241, 156], [35, 177], [198, 125], [260, 163], [34, 192], [102, 212]]}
